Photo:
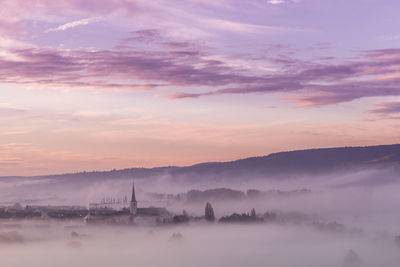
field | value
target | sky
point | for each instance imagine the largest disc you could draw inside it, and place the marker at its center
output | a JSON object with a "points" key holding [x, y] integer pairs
{"points": [[108, 84]]}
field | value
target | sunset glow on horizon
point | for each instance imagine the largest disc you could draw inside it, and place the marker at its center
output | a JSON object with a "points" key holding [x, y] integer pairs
{"points": [[109, 84]]}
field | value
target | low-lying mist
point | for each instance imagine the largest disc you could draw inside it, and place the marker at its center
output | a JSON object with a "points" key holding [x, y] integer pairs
{"points": [[205, 244], [338, 219]]}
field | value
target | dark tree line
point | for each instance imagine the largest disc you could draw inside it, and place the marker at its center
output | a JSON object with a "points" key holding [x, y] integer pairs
{"points": [[209, 213]]}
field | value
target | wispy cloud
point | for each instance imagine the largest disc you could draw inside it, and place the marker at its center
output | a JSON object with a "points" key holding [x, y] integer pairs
{"points": [[392, 37], [172, 63], [387, 108], [15, 13], [325, 84], [7, 109], [74, 24], [186, 65], [242, 27], [278, 2]]}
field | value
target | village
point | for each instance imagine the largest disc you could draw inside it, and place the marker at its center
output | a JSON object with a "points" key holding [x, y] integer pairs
{"points": [[111, 211]]}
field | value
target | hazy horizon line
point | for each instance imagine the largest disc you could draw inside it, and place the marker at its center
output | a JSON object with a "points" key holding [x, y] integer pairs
{"points": [[199, 163]]}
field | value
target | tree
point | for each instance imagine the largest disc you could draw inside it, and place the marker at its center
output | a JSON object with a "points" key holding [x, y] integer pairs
{"points": [[185, 214], [209, 213], [253, 213], [183, 218]]}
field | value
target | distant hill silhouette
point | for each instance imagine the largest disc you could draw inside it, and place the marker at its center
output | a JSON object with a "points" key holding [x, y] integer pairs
{"points": [[301, 162], [282, 164], [333, 167]]}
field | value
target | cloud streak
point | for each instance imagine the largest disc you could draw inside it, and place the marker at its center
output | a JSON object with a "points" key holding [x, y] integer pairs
{"points": [[74, 24], [387, 108], [278, 2], [184, 65], [324, 84], [170, 63]]}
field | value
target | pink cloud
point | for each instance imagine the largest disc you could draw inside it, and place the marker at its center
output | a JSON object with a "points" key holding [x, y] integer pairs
{"points": [[387, 108], [186, 65], [15, 13], [323, 84], [175, 66], [147, 59]]}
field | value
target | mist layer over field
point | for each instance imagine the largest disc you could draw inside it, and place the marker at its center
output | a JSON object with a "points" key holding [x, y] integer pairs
{"points": [[365, 199], [332, 219], [194, 245]]}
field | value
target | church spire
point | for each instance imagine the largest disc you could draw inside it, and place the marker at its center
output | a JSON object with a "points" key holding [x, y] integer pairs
{"points": [[133, 208], [133, 199]]}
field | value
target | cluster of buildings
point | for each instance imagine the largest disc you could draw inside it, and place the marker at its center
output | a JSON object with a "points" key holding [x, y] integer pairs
{"points": [[107, 211], [112, 211]]}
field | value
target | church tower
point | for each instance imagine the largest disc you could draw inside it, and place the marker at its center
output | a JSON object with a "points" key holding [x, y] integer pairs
{"points": [[133, 207]]}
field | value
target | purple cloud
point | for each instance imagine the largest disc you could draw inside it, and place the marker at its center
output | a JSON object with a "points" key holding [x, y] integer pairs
{"points": [[167, 63], [323, 84], [142, 36], [387, 108], [147, 59]]}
